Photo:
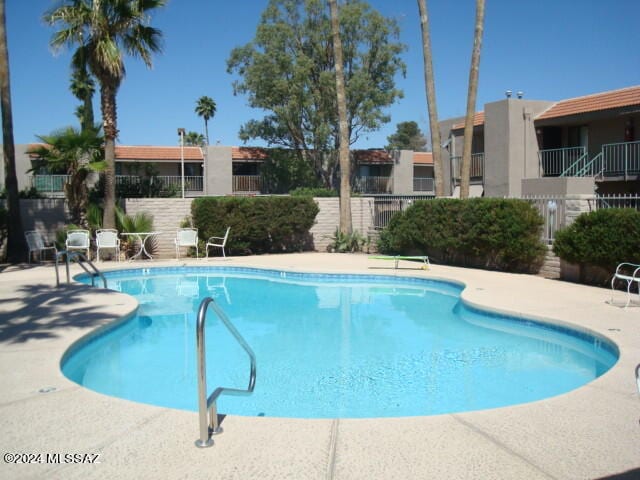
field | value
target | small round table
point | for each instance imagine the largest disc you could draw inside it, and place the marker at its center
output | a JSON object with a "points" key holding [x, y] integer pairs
{"points": [[142, 238]]}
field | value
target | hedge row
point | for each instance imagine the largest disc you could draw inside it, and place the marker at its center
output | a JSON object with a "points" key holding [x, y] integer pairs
{"points": [[603, 238], [481, 232], [258, 224]]}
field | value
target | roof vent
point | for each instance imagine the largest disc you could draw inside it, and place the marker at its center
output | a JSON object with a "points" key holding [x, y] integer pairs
{"points": [[520, 94], [508, 93]]}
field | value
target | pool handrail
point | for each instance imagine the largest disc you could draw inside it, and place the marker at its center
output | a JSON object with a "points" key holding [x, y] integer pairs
{"points": [[82, 259], [207, 406]]}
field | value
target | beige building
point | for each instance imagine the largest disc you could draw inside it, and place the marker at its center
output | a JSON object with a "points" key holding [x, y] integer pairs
{"points": [[576, 146]]}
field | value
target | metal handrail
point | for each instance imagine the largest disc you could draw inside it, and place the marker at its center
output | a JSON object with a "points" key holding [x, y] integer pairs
{"points": [[207, 406], [577, 167], [81, 261]]}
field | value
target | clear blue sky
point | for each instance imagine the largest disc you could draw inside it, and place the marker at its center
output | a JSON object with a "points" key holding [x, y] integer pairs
{"points": [[550, 49]]}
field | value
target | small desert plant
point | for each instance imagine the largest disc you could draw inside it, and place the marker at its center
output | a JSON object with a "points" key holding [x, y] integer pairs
{"points": [[140, 222], [347, 242]]}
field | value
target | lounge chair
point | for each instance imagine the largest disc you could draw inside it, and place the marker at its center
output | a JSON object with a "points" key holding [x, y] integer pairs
{"points": [[186, 237], [219, 242], [78, 240], [107, 239], [35, 243], [629, 272]]}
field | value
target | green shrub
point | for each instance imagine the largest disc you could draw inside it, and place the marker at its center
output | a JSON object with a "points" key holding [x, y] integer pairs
{"points": [[313, 192], [481, 232], [603, 238], [258, 224]]}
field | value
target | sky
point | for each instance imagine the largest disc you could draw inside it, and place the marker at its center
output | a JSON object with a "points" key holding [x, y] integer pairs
{"points": [[548, 49]]}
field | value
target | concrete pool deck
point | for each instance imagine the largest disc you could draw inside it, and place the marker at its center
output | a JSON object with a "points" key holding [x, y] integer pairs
{"points": [[592, 432]]}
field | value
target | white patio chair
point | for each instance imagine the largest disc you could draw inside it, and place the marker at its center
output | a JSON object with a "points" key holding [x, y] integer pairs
{"points": [[35, 243], [78, 240], [219, 242], [628, 272], [107, 239], [186, 237]]}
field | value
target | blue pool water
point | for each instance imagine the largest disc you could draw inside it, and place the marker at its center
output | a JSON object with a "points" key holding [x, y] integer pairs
{"points": [[329, 346]]}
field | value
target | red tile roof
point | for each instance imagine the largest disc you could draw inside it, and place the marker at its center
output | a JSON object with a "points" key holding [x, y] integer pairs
{"points": [[147, 152], [422, 158], [371, 157], [478, 119], [623, 97], [248, 153]]}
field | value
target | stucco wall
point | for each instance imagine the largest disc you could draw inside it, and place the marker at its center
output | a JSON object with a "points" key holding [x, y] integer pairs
{"points": [[218, 171], [403, 174]]}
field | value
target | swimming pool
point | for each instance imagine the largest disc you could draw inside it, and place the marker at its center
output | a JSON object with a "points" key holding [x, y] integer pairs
{"points": [[329, 346]]}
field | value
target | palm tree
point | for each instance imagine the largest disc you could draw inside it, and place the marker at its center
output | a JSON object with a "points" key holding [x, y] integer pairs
{"points": [[345, 167], [465, 170], [104, 30], [16, 246], [83, 87], [206, 108], [77, 153], [194, 139], [430, 87]]}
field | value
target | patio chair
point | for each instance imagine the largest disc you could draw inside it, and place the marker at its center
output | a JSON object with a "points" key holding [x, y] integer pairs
{"points": [[186, 237], [107, 238], [78, 240], [629, 272], [219, 242], [36, 243]]}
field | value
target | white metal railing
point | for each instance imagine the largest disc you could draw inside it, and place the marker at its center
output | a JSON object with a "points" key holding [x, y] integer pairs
{"points": [[621, 159], [191, 183], [372, 184], [386, 206], [553, 208], [49, 183], [423, 184], [553, 162], [476, 169], [247, 183], [127, 180], [553, 211]]}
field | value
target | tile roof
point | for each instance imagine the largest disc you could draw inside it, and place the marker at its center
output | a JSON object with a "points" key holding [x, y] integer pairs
{"points": [[623, 97], [372, 156], [248, 153], [478, 119], [147, 152], [422, 158]]}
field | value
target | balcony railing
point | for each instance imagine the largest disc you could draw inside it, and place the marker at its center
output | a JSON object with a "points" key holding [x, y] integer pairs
{"points": [[558, 161], [621, 159], [476, 170], [49, 183], [247, 183], [369, 184], [613, 160], [191, 183], [423, 184]]}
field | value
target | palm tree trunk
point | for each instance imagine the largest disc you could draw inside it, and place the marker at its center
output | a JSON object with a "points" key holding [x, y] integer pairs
{"points": [[345, 167], [16, 246], [206, 131], [108, 101], [471, 101], [88, 121], [432, 109]]}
